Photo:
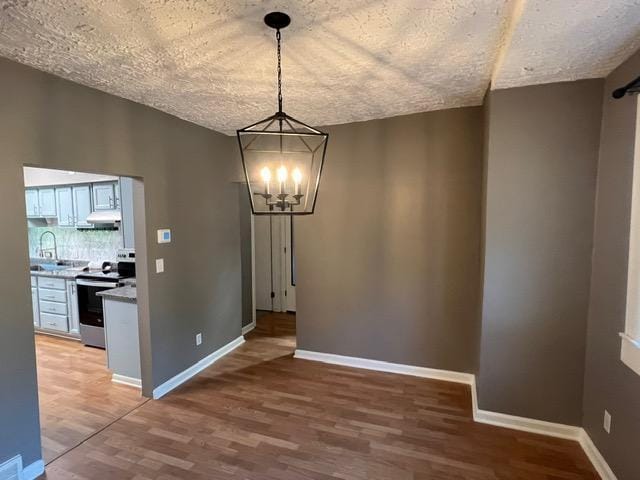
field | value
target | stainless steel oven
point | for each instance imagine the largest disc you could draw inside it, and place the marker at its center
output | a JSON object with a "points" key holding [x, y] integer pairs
{"points": [[90, 309]]}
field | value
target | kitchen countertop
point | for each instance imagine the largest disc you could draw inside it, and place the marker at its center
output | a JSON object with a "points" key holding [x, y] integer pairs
{"points": [[67, 273], [127, 293]]}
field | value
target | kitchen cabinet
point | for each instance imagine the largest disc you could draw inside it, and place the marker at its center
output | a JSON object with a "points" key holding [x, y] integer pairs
{"points": [[81, 205], [64, 200], [31, 198], [122, 340], [47, 202], [72, 302], [34, 301], [104, 196]]}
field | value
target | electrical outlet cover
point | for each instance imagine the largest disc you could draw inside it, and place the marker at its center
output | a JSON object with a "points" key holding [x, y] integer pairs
{"points": [[607, 422], [159, 265]]}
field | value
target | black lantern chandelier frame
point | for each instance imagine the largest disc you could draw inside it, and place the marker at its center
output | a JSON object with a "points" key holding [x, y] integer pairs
{"points": [[284, 129]]}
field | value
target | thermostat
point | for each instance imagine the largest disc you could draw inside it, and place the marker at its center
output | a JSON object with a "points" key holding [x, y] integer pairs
{"points": [[164, 235]]}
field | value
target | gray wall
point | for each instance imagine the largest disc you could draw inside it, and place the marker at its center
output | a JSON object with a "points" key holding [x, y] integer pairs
{"points": [[187, 172], [542, 154], [388, 267], [609, 384]]}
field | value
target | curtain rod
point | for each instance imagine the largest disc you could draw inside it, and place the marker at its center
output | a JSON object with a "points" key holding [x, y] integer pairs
{"points": [[629, 88]]}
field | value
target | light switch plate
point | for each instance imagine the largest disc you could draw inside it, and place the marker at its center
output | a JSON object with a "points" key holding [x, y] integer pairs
{"points": [[607, 422], [164, 235], [199, 339], [159, 265]]}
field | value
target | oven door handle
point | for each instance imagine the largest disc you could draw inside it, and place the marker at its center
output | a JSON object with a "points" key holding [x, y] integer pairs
{"points": [[89, 283]]}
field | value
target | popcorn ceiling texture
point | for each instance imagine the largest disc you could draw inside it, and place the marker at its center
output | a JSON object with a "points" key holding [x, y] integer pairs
{"points": [[564, 40], [213, 62]]}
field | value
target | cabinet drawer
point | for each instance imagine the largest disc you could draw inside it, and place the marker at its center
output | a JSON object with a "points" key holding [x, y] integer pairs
{"points": [[34, 281], [51, 307], [53, 283], [53, 322], [47, 295]]}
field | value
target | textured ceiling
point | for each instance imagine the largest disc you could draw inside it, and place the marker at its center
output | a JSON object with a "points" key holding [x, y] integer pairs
{"points": [[562, 40], [213, 62]]}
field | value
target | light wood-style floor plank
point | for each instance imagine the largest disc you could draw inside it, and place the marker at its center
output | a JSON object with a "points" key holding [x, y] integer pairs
{"points": [[261, 414], [76, 395]]}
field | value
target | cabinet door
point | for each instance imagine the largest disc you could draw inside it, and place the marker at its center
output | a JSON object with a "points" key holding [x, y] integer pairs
{"points": [[64, 199], [81, 205], [35, 306], [72, 303], [31, 197], [47, 201], [104, 196]]}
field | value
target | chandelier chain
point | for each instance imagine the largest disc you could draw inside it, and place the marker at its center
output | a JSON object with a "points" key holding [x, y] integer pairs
{"points": [[279, 72]]}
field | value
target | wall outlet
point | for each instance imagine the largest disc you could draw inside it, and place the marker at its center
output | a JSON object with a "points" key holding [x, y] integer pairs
{"points": [[159, 265], [607, 422], [198, 339]]}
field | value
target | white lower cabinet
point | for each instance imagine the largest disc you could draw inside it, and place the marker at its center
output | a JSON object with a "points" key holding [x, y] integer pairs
{"points": [[72, 311], [55, 305], [34, 301]]}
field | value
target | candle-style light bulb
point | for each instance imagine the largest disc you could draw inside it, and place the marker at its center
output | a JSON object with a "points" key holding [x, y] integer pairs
{"points": [[282, 177], [265, 173], [297, 179]]}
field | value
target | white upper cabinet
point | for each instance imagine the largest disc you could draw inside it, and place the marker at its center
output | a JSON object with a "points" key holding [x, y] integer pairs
{"points": [[47, 202], [104, 196], [81, 205], [64, 199], [31, 197]]}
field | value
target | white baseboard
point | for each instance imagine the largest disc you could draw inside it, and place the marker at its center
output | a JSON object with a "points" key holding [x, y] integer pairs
{"points": [[380, 366], [514, 422], [598, 461], [530, 425], [196, 368], [132, 382], [247, 328], [33, 471]]}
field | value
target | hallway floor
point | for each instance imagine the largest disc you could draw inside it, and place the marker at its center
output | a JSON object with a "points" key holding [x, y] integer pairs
{"points": [[76, 395], [259, 413]]}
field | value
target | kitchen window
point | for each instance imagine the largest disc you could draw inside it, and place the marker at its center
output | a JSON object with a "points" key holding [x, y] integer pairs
{"points": [[630, 354]]}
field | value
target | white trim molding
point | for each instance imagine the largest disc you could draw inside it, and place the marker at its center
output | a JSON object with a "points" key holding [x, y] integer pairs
{"points": [[33, 470], [630, 353], [598, 461], [247, 328], [196, 368], [531, 425], [380, 366], [124, 380]]}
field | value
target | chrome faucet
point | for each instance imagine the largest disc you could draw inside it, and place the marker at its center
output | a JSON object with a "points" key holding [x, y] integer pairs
{"points": [[46, 253]]}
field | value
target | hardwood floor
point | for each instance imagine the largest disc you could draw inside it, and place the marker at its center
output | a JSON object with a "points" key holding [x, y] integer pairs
{"points": [[261, 414], [76, 395]]}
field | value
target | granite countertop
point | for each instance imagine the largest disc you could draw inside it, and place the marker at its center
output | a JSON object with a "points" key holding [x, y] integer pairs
{"points": [[127, 293], [67, 273]]}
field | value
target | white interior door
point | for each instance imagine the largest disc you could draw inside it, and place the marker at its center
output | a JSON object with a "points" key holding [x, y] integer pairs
{"points": [[274, 276], [263, 274]]}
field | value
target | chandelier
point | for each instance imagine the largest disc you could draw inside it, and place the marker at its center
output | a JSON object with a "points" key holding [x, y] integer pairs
{"points": [[282, 157]]}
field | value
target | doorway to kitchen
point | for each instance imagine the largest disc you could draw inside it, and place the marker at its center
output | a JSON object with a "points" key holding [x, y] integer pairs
{"points": [[81, 238]]}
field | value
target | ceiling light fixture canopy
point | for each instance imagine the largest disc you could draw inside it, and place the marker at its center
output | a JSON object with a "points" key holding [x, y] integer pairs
{"points": [[282, 157]]}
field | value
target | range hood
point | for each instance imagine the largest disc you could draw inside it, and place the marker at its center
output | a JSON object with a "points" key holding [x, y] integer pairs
{"points": [[105, 217]]}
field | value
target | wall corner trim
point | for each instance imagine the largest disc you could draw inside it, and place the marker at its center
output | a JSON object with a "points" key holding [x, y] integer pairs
{"points": [[33, 470], [531, 425], [247, 328], [124, 380], [598, 461], [196, 368]]}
